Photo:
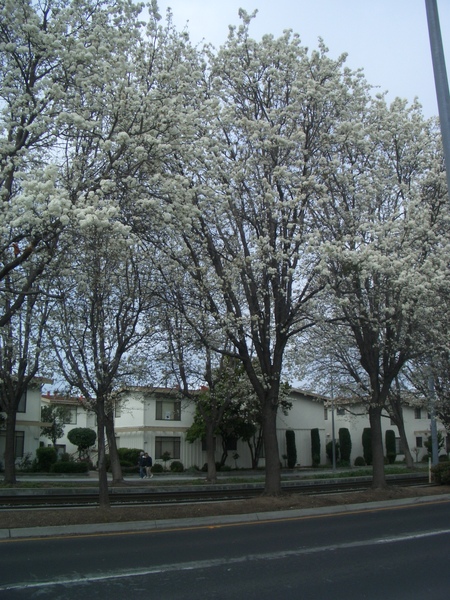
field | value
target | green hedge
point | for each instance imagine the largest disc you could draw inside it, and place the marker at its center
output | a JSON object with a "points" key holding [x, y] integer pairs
{"points": [[391, 454], [291, 449], [130, 455], [441, 473], [176, 466], [45, 458], [315, 447], [70, 467], [345, 445], [367, 445]]}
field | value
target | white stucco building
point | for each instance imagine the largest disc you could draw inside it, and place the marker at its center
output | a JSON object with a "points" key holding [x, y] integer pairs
{"points": [[28, 423], [354, 417]]}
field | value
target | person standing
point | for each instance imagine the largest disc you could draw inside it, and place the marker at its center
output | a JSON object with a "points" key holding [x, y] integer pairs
{"points": [[148, 465], [141, 464]]}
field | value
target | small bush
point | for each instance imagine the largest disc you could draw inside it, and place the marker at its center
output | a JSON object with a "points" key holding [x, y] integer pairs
{"points": [[70, 467], [193, 469], [359, 462], [176, 466], [45, 458], [441, 473], [157, 468], [226, 468]]}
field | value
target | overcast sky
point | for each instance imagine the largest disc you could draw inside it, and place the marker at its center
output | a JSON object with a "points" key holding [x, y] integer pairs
{"points": [[387, 38]]}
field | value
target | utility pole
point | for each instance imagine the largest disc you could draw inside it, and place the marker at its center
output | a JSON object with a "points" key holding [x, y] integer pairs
{"points": [[443, 100], [440, 79]]}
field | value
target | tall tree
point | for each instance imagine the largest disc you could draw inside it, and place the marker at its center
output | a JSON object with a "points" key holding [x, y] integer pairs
{"points": [[236, 208], [60, 59], [101, 327], [381, 244]]}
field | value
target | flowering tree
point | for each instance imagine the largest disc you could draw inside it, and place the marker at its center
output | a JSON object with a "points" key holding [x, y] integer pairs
{"points": [[381, 242], [237, 206], [101, 327]]}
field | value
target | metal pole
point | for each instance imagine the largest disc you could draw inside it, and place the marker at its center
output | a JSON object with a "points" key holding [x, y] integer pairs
{"points": [[440, 79], [333, 438], [433, 425]]}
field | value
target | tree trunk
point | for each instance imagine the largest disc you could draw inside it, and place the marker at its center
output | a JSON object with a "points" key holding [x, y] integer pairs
{"points": [[379, 478], [210, 453], [103, 496], [404, 445], [273, 469], [116, 469], [10, 443]]}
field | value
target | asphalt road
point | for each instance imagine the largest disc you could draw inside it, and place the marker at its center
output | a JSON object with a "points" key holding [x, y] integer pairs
{"points": [[399, 553]]}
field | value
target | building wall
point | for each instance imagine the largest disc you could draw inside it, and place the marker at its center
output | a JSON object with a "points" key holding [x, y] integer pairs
{"points": [[355, 418], [307, 413], [79, 417], [28, 427]]}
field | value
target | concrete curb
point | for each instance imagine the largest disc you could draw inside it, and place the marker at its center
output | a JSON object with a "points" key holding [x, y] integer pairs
{"points": [[215, 521]]}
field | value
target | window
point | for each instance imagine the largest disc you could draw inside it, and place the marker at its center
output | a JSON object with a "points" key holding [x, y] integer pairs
{"points": [[117, 410], [419, 442], [19, 444], [340, 411], [325, 414], [168, 410], [60, 449], [22, 403], [71, 416], [167, 444], [417, 413], [398, 446]]}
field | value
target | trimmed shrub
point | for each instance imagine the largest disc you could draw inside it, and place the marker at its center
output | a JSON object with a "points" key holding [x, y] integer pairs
{"points": [[389, 440], [130, 455], [367, 445], [83, 438], [315, 447], [329, 451], [345, 445], [157, 468], [176, 466], [441, 473], [45, 458], [359, 462], [70, 467], [291, 449]]}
